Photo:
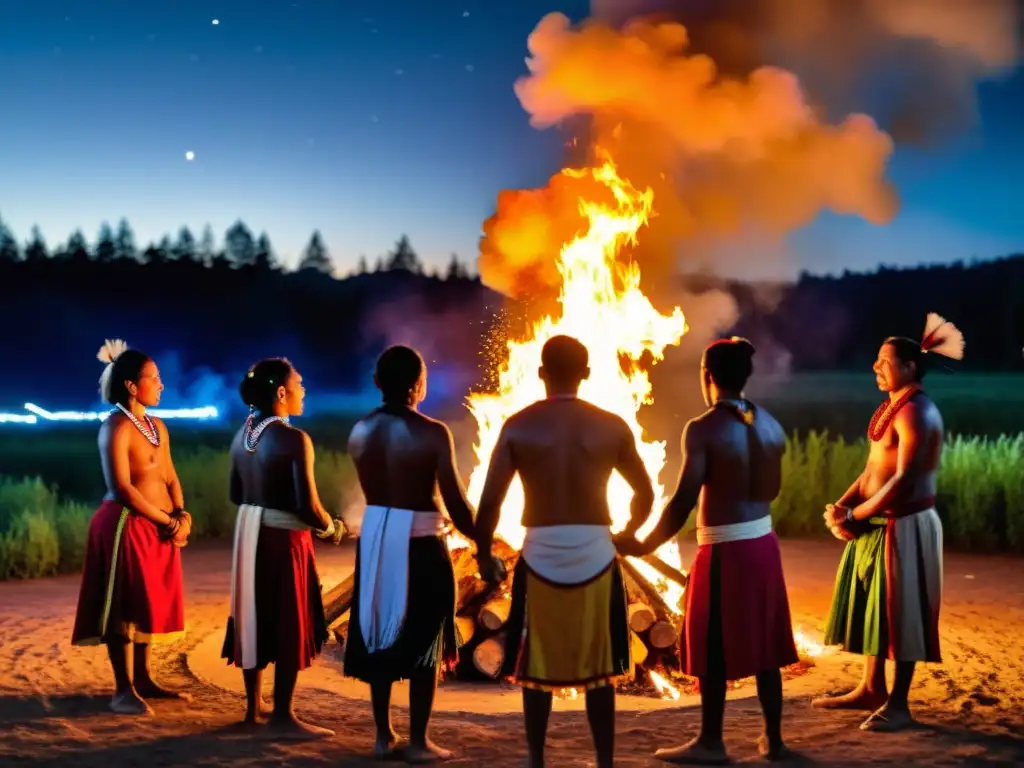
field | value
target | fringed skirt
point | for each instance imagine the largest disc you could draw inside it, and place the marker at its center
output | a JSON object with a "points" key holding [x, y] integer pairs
{"points": [[567, 636], [131, 581], [290, 624], [428, 638], [737, 611], [888, 590]]}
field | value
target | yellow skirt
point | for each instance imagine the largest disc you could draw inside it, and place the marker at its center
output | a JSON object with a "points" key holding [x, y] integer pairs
{"points": [[568, 636]]}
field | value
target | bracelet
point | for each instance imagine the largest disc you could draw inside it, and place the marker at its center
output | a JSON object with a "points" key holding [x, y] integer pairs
{"points": [[849, 514]]}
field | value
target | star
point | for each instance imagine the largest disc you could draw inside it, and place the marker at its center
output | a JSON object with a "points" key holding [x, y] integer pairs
{"points": [[470, 67], [190, 156], [215, 22], [465, 14]]}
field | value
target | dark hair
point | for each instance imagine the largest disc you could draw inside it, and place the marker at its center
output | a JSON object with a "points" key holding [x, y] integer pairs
{"points": [[565, 360], [909, 351], [730, 362], [259, 387], [399, 368], [126, 367]]}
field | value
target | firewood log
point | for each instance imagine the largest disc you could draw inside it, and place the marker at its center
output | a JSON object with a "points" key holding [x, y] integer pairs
{"points": [[664, 632], [666, 570], [494, 613], [338, 599], [489, 656], [465, 626], [662, 635], [341, 634], [641, 617]]}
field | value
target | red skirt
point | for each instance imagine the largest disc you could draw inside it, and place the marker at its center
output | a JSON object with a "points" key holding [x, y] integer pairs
{"points": [[290, 624], [131, 581], [737, 611]]}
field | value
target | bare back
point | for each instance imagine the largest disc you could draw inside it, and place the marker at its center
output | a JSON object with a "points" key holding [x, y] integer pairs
{"points": [[123, 448], [406, 460], [921, 423], [743, 472]]}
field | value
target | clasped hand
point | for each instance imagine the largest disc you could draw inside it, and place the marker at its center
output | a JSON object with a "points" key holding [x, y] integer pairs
{"points": [[836, 520], [492, 569], [628, 545], [334, 532]]}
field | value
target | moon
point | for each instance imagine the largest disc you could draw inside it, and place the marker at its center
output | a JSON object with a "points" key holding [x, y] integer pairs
{"points": [[190, 156]]}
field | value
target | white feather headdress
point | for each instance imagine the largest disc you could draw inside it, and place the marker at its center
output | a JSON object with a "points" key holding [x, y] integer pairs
{"points": [[109, 352], [942, 338]]}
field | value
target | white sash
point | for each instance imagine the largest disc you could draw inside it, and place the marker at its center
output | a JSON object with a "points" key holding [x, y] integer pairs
{"points": [[384, 534], [243, 572], [720, 534], [568, 554]]}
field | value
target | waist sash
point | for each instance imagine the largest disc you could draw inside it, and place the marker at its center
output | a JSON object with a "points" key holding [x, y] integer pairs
{"points": [[243, 571], [908, 508], [384, 535], [721, 534], [568, 554]]}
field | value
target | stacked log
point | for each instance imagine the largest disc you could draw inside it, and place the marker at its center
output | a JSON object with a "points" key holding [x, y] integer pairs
{"points": [[482, 611]]}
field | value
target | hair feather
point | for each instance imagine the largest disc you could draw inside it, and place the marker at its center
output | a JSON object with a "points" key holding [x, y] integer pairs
{"points": [[941, 337]]}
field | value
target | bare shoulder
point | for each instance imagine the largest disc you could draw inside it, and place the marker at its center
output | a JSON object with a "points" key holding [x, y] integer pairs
{"points": [[920, 413], [769, 424]]}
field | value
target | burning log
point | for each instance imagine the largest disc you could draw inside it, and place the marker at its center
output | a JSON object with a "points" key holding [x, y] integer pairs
{"points": [[465, 626], [338, 599], [638, 649], [641, 617], [495, 612], [489, 655], [662, 633], [666, 570]]}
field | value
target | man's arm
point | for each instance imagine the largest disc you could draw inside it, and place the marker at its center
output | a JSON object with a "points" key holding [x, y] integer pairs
{"points": [[453, 492], [633, 471], [114, 443], [910, 428], [691, 480], [500, 473]]}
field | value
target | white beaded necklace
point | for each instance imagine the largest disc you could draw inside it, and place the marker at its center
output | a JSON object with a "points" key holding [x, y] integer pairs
{"points": [[148, 430], [251, 436]]}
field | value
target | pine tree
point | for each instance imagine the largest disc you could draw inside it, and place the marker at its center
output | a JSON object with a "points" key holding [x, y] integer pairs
{"points": [[207, 246], [265, 259], [316, 256], [404, 257], [362, 267], [456, 269], [35, 249], [77, 248], [105, 245], [124, 242], [184, 248], [9, 250], [239, 245]]}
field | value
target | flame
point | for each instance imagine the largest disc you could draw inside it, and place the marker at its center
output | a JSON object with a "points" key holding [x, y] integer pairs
{"points": [[602, 306], [663, 686]]}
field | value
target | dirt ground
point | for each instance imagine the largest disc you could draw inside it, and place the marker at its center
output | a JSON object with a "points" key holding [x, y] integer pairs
{"points": [[53, 698]]}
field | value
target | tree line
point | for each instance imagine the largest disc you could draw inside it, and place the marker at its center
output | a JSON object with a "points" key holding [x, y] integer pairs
{"points": [[240, 248]]}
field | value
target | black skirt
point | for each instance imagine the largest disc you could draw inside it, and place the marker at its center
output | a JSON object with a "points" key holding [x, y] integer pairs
{"points": [[428, 637]]}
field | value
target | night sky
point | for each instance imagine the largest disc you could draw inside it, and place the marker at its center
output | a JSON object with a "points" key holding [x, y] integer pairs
{"points": [[366, 121]]}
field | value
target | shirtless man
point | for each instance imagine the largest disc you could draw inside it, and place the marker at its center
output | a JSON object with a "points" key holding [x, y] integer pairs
{"points": [[737, 610], [889, 586], [567, 626], [131, 591], [277, 615], [403, 612]]}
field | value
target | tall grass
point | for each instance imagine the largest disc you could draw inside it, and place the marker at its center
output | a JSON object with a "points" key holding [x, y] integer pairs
{"points": [[980, 498]]}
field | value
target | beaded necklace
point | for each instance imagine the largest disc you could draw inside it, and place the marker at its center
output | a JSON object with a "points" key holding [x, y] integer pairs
{"points": [[886, 412], [252, 435], [741, 409], [148, 430]]}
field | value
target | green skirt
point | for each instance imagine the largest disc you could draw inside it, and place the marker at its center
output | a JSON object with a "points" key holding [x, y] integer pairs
{"points": [[858, 619]]}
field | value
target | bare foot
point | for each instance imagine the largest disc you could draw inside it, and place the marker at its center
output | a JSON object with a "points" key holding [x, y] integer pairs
{"points": [[151, 690], [129, 703], [425, 753], [695, 753], [385, 746], [293, 728], [860, 698], [773, 752], [888, 719]]}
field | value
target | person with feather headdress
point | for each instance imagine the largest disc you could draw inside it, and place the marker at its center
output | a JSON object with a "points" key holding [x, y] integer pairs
{"points": [[888, 589], [132, 593]]}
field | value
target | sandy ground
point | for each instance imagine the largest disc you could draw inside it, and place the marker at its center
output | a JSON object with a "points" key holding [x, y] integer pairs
{"points": [[53, 697]]}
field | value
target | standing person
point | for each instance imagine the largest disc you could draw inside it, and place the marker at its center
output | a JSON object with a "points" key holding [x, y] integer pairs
{"points": [[403, 609], [737, 621], [131, 593], [888, 588], [277, 614], [567, 626]]}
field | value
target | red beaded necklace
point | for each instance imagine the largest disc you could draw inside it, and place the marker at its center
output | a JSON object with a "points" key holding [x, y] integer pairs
{"points": [[886, 412]]}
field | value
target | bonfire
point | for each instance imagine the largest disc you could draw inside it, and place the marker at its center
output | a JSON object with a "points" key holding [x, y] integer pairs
{"points": [[603, 306]]}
